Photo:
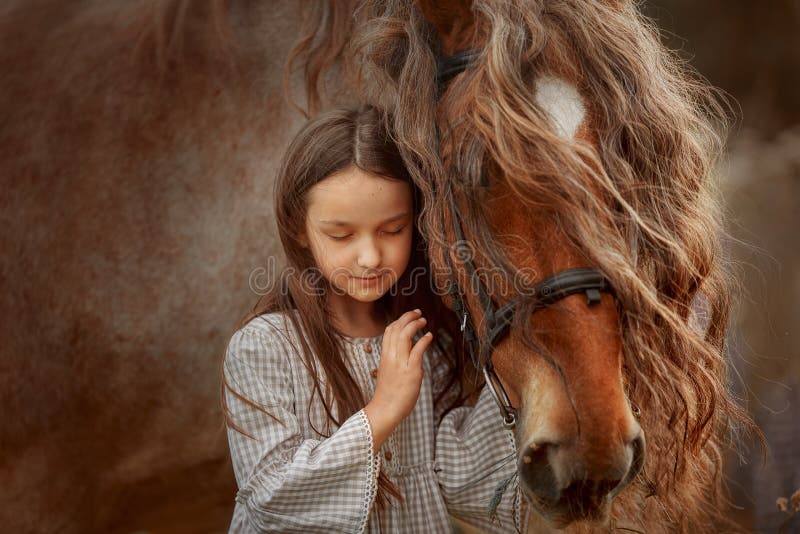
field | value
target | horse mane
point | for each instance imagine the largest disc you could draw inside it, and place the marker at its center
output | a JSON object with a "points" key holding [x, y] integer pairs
{"points": [[641, 201]]}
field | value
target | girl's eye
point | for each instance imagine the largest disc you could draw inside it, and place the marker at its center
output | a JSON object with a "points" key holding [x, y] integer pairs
{"points": [[348, 236], [396, 231]]}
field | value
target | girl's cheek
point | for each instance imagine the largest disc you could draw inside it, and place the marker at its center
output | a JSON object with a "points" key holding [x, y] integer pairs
{"points": [[404, 254], [337, 264]]}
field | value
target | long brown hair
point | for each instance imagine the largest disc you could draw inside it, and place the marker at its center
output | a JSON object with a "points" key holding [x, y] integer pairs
{"points": [[332, 142], [642, 202]]}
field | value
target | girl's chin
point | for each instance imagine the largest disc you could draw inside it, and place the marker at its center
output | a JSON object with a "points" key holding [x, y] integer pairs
{"points": [[365, 298], [366, 295]]}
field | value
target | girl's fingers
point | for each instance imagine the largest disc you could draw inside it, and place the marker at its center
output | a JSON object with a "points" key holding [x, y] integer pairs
{"points": [[406, 318], [408, 332], [395, 332], [396, 326], [415, 356]]}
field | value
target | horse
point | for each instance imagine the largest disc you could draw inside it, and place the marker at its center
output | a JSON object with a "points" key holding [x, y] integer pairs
{"points": [[567, 161]]}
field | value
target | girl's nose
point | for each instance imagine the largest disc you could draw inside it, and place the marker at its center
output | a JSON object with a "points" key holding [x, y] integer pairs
{"points": [[369, 255]]}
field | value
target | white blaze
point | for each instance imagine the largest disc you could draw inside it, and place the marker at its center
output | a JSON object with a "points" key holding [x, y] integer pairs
{"points": [[562, 103]]}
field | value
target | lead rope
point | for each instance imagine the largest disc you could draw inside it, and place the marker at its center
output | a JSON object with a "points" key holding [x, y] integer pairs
{"points": [[497, 496]]}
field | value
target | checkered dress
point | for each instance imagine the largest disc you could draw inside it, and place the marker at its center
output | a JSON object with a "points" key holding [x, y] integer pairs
{"points": [[292, 478]]}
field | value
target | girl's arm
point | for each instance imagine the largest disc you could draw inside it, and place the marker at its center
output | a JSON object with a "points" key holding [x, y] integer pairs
{"points": [[476, 464], [287, 482]]}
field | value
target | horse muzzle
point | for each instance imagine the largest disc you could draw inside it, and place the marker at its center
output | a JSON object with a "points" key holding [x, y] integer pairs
{"points": [[564, 487]]}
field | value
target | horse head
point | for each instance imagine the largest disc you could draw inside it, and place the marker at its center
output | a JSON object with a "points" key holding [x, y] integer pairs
{"points": [[543, 320]]}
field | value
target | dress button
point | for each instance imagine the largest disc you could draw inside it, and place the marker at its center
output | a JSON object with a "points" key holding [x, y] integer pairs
{"points": [[374, 373], [368, 348], [388, 456]]}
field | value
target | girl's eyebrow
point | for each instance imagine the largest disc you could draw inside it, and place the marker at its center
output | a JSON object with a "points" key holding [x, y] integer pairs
{"points": [[345, 223]]}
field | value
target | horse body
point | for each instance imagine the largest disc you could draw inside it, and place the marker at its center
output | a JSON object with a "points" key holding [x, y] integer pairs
{"points": [[137, 144]]}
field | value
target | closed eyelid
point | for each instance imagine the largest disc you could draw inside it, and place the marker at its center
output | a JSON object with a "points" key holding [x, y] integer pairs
{"points": [[390, 220], [397, 229]]}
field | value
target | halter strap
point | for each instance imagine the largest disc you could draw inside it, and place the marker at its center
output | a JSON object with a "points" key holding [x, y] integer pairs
{"points": [[450, 66]]}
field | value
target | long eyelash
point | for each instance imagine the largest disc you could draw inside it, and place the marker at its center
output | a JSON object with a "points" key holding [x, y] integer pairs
{"points": [[397, 231], [342, 238]]}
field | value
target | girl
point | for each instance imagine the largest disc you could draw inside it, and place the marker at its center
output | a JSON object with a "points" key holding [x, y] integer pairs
{"points": [[340, 411]]}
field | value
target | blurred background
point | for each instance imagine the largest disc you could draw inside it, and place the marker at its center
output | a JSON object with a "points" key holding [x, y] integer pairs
{"points": [[751, 50]]}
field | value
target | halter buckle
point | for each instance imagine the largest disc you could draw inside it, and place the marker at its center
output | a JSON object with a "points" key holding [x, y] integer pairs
{"points": [[593, 296]]}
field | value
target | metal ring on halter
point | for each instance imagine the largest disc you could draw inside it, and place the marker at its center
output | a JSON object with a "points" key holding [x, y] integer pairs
{"points": [[500, 397]]}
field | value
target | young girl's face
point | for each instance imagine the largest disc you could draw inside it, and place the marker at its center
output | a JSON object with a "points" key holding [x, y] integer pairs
{"points": [[359, 228]]}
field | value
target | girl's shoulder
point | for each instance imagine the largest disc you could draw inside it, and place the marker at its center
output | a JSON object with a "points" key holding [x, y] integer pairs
{"points": [[274, 331], [273, 326], [262, 353]]}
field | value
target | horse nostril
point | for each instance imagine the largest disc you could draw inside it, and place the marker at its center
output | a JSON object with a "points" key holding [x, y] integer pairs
{"points": [[534, 452], [637, 444], [537, 473]]}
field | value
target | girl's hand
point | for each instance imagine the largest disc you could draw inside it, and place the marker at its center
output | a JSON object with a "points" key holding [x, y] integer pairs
{"points": [[399, 375]]}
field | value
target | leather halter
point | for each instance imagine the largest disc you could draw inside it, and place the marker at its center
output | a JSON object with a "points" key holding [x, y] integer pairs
{"points": [[497, 320], [449, 67]]}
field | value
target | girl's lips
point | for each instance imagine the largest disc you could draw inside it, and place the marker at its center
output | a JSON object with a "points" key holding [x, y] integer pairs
{"points": [[367, 281]]}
